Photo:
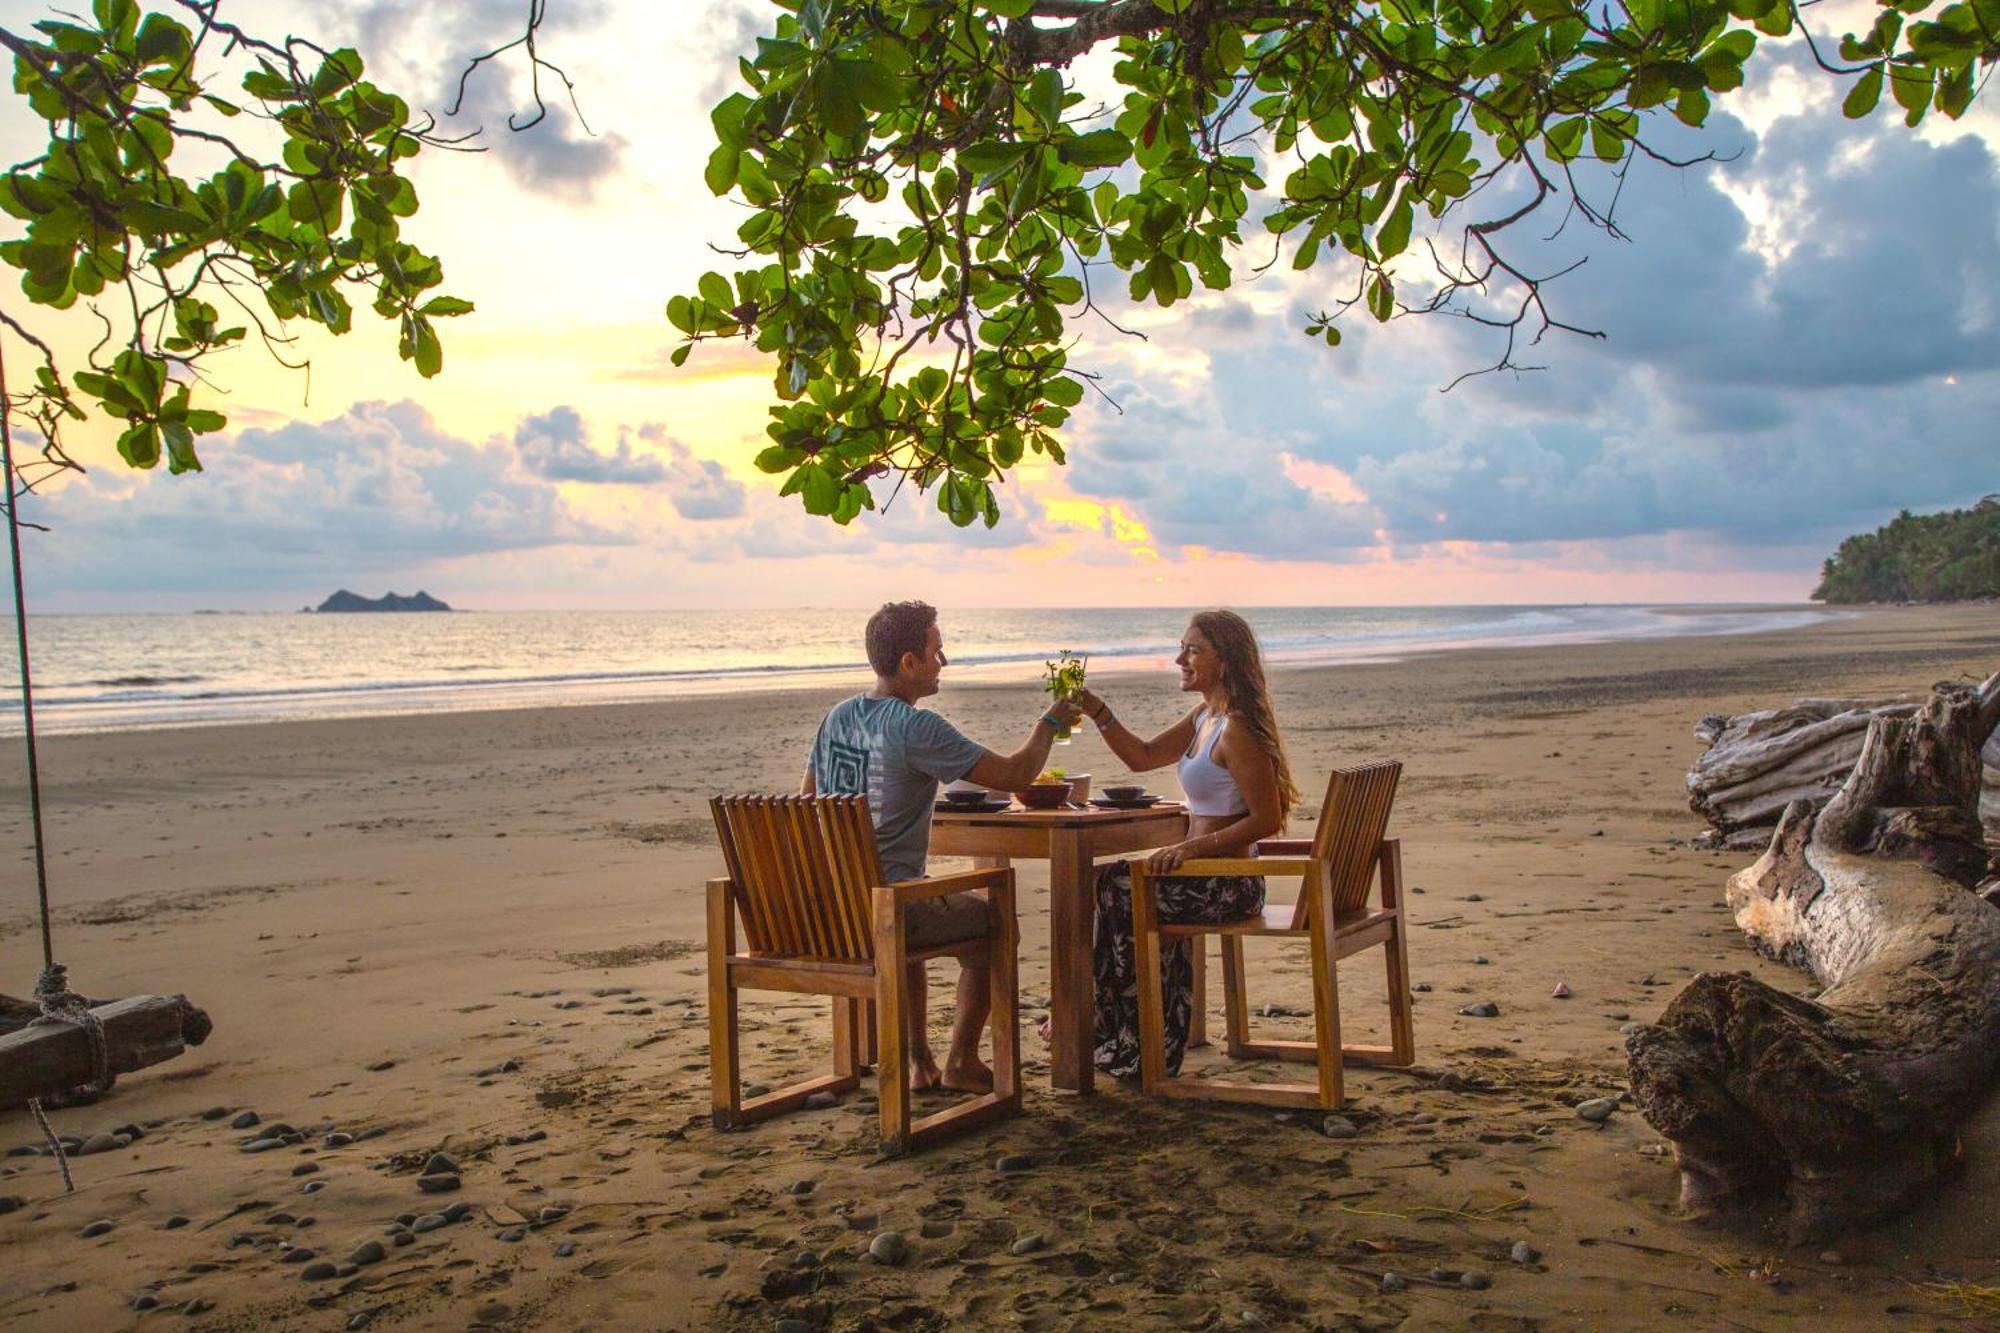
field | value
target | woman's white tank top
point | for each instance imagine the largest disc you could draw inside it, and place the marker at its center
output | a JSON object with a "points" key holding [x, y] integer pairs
{"points": [[1209, 787]]}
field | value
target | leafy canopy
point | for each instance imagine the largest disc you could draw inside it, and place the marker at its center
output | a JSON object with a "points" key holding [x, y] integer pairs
{"points": [[1949, 557], [296, 219], [931, 199]]}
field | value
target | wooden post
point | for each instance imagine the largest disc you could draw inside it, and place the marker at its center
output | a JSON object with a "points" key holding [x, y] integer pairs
{"points": [[42, 1060]]}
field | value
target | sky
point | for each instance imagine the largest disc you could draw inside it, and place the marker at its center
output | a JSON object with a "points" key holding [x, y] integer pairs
{"points": [[1801, 338]]}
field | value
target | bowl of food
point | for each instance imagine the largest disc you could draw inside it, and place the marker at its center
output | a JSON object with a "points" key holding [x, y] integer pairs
{"points": [[1050, 791], [1127, 791]]}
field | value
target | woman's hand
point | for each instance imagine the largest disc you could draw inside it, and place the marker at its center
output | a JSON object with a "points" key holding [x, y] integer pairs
{"points": [[1090, 703], [1168, 859]]}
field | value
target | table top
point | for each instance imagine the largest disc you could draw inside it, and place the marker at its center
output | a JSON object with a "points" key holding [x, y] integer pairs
{"points": [[1067, 817]]}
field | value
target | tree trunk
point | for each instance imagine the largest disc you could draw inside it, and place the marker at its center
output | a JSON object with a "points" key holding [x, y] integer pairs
{"points": [[1847, 1108], [52, 1060], [1757, 764]]}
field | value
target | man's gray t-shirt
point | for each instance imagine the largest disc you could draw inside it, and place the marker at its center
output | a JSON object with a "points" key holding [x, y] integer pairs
{"points": [[896, 755]]}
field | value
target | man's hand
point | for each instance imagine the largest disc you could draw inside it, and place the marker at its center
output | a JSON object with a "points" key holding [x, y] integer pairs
{"points": [[1065, 711]]}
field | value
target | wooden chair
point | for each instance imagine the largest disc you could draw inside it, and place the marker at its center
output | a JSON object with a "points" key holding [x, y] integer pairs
{"points": [[1336, 868], [805, 881]]}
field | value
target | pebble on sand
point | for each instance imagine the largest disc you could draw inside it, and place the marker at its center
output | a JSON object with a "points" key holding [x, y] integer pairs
{"points": [[100, 1227], [439, 1183], [1561, 992], [368, 1252], [1597, 1110], [246, 1120], [428, 1222], [440, 1164], [1394, 1282], [1474, 1279], [512, 1234], [1013, 1163], [1483, 1009], [1029, 1244], [889, 1248], [820, 1101], [10, 1203], [1338, 1127], [1524, 1253], [319, 1272]]}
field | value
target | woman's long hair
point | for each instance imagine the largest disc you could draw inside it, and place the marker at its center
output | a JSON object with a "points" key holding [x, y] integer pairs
{"points": [[1249, 697]]}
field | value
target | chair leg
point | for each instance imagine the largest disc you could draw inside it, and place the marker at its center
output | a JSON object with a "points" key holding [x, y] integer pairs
{"points": [[1402, 1024], [892, 1070], [1198, 1012], [848, 1040], [1326, 992], [1235, 997], [1003, 955], [725, 1077], [1152, 1005]]}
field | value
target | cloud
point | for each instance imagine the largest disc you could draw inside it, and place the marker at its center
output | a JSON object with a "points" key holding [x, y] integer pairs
{"points": [[699, 488], [379, 492], [556, 445]]}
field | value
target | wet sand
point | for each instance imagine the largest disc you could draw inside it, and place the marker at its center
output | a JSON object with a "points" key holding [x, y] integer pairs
{"points": [[481, 934]]}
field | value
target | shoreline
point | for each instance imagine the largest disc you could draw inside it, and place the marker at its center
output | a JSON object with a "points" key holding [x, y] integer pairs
{"points": [[460, 930], [423, 698]]}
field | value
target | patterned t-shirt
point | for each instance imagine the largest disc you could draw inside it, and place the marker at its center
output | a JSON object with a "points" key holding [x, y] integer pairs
{"points": [[896, 755]]}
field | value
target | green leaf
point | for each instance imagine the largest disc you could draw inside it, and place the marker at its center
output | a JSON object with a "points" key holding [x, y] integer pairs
{"points": [[1063, 391], [1099, 148], [1863, 96], [445, 305]]}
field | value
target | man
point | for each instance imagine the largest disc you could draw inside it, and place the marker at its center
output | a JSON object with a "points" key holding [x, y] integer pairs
{"points": [[881, 745]]}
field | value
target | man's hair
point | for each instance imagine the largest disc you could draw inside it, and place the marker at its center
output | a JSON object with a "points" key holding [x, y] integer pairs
{"points": [[898, 628]]}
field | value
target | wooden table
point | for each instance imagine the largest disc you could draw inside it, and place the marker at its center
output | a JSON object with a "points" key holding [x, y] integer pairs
{"points": [[1070, 841]]}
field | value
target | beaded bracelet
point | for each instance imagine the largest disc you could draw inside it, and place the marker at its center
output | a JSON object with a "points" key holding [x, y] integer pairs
{"points": [[1052, 720]]}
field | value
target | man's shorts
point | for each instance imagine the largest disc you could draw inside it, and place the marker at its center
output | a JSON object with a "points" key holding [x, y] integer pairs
{"points": [[930, 922]]}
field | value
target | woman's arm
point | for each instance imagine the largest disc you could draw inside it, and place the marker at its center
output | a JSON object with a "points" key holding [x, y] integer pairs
{"points": [[1257, 778], [1137, 754]]}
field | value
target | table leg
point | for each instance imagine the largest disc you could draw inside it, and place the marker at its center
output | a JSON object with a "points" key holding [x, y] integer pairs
{"points": [[1072, 914]]}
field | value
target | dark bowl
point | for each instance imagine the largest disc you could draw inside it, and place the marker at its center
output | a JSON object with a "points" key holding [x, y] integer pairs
{"points": [[1044, 795], [1124, 793], [968, 796]]}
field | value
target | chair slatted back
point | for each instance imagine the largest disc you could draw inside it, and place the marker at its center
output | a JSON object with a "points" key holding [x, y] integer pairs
{"points": [[804, 869], [1351, 826]]}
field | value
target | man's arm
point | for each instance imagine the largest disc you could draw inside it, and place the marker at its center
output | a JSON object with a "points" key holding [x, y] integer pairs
{"points": [[1017, 770]]}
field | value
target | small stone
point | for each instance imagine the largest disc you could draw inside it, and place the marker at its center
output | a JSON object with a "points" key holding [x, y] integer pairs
{"points": [[11, 1203], [1029, 1244], [360, 1320], [1481, 959], [319, 1272], [368, 1252], [97, 1143], [381, 1066], [246, 1120], [263, 1145], [298, 1254], [494, 1312], [195, 1305], [804, 1187], [439, 1163], [1483, 1009], [429, 1222], [1618, 1018], [438, 1183], [1475, 897], [1523, 1253], [565, 1249], [1597, 1110], [312, 1187], [1832, 1258], [402, 1238], [25, 1150], [937, 1228], [1338, 1127], [805, 1259], [458, 1211], [1394, 1282], [512, 1234], [214, 1113], [889, 1248], [820, 1101], [1561, 992], [306, 1169], [1421, 988], [101, 1226], [338, 1139], [757, 1090], [174, 1223], [145, 1300], [1014, 1163], [1474, 1279], [279, 1220]]}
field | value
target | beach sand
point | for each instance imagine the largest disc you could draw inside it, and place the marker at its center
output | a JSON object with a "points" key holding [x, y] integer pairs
{"points": [[458, 932]]}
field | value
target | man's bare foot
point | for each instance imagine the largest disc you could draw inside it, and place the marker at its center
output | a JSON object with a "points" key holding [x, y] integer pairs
{"points": [[1046, 1028], [924, 1073], [972, 1076]]}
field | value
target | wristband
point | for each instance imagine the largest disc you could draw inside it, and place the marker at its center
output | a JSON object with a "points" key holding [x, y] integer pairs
{"points": [[1054, 722], [1104, 717]]}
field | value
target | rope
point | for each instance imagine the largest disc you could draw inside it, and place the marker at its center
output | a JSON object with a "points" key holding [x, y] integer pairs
{"points": [[62, 1005]]}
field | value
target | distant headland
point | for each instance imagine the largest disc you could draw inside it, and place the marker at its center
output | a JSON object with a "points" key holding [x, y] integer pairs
{"points": [[347, 601]]}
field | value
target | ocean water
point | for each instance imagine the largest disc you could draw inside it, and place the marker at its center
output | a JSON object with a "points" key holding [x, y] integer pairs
{"points": [[100, 672]]}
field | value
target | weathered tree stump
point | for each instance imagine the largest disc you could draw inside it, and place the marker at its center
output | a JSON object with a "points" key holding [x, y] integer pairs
{"points": [[1758, 763], [1846, 1108], [52, 1060]]}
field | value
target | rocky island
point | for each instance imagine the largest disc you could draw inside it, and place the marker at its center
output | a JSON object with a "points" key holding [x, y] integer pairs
{"points": [[347, 601]]}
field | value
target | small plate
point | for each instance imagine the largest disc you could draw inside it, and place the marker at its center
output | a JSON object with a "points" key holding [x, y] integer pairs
{"points": [[992, 807], [1131, 803]]}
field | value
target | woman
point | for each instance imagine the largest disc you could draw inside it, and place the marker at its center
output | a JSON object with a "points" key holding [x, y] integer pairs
{"points": [[1239, 788]]}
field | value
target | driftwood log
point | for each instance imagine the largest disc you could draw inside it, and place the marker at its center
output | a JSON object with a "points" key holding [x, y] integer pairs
{"points": [[1758, 763], [1846, 1108], [52, 1060]]}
